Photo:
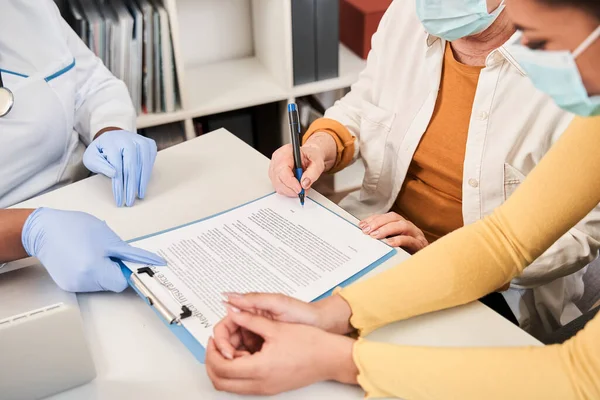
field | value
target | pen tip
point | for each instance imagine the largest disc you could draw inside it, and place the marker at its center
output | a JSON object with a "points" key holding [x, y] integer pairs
{"points": [[301, 195]]}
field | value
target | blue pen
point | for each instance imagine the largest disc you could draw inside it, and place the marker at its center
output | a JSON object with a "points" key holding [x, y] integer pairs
{"points": [[295, 131]]}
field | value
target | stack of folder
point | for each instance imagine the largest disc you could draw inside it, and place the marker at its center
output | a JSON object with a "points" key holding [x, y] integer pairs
{"points": [[165, 135], [315, 40], [133, 39]]}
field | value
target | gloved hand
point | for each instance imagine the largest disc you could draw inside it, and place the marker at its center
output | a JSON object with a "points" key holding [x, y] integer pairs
{"points": [[125, 157], [75, 247]]}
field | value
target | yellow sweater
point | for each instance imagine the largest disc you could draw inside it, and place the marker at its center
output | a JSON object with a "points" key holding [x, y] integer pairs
{"points": [[476, 260]]}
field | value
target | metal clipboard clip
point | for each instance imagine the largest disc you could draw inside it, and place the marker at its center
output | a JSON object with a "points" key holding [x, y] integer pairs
{"points": [[152, 300]]}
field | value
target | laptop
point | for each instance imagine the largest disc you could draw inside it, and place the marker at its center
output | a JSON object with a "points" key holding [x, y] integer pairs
{"points": [[42, 342]]}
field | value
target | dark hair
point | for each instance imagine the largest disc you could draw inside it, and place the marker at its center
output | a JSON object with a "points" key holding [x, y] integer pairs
{"points": [[592, 6]]}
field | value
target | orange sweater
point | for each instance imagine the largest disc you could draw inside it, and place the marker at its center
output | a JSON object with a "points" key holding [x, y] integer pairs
{"points": [[431, 196]]}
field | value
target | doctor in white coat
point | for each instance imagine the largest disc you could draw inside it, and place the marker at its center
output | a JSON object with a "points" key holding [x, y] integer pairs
{"points": [[61, 109]]}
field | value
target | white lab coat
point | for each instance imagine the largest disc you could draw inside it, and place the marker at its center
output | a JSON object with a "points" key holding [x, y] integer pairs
{"points": [[63, 96], [512, 127]]}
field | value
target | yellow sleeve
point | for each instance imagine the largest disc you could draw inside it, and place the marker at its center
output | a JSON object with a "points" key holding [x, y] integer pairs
{"points": [[343, 140], [476, 260], [570, 371]]}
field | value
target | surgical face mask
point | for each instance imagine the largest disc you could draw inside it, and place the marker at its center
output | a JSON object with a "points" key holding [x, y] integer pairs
{"points": [[455, 19], [556, 73]]}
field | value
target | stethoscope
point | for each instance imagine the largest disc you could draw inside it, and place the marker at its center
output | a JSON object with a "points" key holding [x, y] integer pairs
{"points": [[7, 99]]}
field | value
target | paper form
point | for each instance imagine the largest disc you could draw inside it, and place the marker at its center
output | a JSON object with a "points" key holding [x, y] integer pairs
{"points": [[270, 245]]}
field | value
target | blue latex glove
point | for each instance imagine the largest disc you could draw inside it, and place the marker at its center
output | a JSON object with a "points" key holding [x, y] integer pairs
{"points": [[125, 157], [75, 247]]}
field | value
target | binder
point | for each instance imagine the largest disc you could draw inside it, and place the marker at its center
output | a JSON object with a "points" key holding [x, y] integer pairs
{"points": [[105, 29], [111, 21], [167, 65], [148, 62], [122, 42], [76, 19], [303, 41], [133, 40], [165, 135], [97, 28], [158, 106], [240, 121], [140, 281], [327, 15], [137, 54]]}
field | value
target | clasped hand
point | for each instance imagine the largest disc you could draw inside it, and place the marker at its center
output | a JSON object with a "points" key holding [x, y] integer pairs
{"points": [[268, 344]]}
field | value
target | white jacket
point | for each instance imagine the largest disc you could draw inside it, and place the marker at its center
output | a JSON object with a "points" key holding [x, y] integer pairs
{"points": [[63, 96], [512, 127]]}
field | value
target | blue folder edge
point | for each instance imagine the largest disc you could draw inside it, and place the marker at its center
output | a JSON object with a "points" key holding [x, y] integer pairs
{"points": [[183, 335]]}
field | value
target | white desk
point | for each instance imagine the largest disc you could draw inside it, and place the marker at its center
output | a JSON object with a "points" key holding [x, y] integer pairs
{"points": [[136, 355]]}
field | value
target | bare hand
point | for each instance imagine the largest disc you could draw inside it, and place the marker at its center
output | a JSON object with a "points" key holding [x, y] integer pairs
{"points": [[331, 314], [281, 169], [292, 356], [397, 231]]}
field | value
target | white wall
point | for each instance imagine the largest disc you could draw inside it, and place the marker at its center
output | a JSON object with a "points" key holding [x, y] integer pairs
{"points": [[215, 30]]}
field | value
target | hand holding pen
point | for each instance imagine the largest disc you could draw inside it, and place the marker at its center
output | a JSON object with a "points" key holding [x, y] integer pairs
{"points": [[295, 132], [282, 167], [314, 158]]}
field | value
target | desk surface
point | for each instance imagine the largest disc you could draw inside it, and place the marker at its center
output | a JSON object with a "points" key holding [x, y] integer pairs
{"points": [[135, 354]]}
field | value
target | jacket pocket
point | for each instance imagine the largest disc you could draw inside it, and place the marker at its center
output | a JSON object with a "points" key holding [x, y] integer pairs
{"points": [[512, 180], [376, 124]]}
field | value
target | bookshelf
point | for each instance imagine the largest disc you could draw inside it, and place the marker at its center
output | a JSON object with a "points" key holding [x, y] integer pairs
{"points": [[233, 54]]}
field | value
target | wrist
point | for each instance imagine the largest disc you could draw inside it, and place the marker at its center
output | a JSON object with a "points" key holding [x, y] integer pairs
{"points": [[107, 129], [339, 360], [28, 236], [324, 143], [11, 234], [333, 315]]}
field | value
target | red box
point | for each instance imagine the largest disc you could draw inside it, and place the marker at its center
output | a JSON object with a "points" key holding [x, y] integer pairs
{"points": [[359, 20]]}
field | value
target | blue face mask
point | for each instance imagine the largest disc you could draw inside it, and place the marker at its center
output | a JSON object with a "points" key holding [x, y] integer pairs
{"points": [[556, 73], [455, 19]]}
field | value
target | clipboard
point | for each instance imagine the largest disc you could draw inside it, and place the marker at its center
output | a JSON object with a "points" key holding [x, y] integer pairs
{"points": [[170, 319], [173, 318]]}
